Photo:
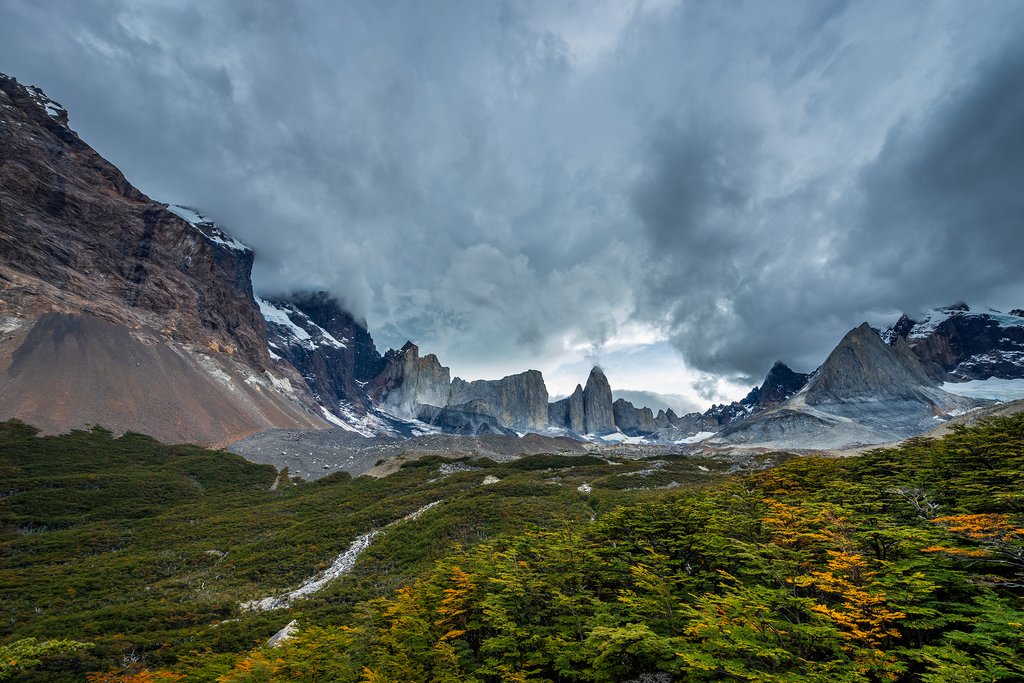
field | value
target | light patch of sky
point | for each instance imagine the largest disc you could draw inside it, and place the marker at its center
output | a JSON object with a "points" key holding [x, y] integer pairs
{"points": [[653, 367], [592, 30]]}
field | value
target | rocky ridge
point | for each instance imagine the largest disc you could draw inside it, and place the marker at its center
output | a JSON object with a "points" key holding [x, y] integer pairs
{"points": [[86, 256], [865, 392], [516, 401], [955, 344], [568, 412]]}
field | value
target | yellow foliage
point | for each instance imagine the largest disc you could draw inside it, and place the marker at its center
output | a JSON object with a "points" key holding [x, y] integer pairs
{"points": [[140, 677]]}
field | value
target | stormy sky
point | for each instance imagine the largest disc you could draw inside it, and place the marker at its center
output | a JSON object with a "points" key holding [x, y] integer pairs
{"points": [[681, 191]]}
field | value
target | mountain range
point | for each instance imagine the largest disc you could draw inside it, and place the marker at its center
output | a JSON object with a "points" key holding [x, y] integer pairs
{"points": [[122, 311]]}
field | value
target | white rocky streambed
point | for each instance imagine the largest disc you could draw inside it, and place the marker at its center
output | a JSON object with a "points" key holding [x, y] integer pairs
{"points": [[342, 565]]}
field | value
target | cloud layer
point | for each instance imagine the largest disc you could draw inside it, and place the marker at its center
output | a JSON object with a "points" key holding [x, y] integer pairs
{"points": [[529, 184]]}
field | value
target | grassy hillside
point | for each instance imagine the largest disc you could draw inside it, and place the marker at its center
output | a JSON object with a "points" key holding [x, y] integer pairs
{"points": [[145, 550], [903, 564]]}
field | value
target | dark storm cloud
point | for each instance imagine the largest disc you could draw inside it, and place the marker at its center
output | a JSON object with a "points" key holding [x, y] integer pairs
{"points": [[946, 196], [516, 184], [746, 273]]}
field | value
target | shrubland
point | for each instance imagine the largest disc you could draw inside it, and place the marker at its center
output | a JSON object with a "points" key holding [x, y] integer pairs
{"points": [[901, 564]]}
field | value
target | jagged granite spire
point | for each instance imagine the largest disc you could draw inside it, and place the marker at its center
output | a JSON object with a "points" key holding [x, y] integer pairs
{"points": [[598, 414]]}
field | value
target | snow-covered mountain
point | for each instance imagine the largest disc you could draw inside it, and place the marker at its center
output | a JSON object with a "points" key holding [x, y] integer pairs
{"points": [[956, 344]]}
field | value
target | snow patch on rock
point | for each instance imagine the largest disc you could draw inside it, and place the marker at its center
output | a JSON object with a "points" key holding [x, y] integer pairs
{"points": [[992, 388], [297, 326], [696, 438], [279, 316], [206, 227], [52, 107]]}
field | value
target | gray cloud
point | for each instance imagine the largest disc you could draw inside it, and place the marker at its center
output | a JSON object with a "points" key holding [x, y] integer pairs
{"points": [[947, 189], [502, 181], [751, 265]]}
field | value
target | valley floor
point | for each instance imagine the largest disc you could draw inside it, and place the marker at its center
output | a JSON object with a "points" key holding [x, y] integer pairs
{"points": [[127, 560]]}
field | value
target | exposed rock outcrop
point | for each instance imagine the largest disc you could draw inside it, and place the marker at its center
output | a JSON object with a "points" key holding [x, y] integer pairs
{"points": [[78, 241], [408, 382], [76, 235], [598, 415], [333, 352], [779, 384], [516, 401], [462, 421], [633, 421], [955, 344], [590, 410], [568, 412], [865, 392], [863, 368], [558, 412]]}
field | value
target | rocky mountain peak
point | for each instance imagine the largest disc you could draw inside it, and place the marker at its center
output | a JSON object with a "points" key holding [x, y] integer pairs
{"points": [[568, 412], [780, 383], [599, 416], [955, 344], [633, 421], [334, 353], [863, 367], [163, 304], [34, 95], [407, 382], [52, 108]]}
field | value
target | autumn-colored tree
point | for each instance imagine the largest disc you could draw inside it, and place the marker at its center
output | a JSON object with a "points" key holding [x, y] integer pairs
{"points": [[995, 538], [255, 668]]}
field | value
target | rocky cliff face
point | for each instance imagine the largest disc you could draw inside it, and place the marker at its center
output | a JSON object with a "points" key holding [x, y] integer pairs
{"points": [[955, 344], [865, 392], [77, 239], [862, 367], [568, 412], [779, 384], [407, 382], [598, 415], [517, 401], [77, 235], [590, 410], [334, 353], [633, 421], [463, 420]]}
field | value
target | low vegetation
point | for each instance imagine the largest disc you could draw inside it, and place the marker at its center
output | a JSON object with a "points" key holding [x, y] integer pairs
{"points": [[902, 564]]}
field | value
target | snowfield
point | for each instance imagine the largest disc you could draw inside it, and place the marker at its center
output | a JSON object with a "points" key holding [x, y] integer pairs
{"points": [[993, 388]]}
